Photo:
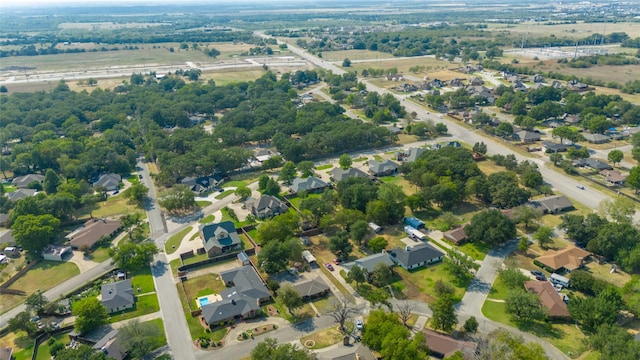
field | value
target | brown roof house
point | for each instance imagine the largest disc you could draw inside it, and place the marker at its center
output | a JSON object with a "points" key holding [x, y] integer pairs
{"points": [[442, 346], [219, 238], [565, 260], [456, 236], [614, 177], [92, 231], [549, 298], [266, 206]]}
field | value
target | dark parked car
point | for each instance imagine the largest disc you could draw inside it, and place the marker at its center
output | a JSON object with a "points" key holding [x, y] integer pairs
{"points": [[539, 275]]}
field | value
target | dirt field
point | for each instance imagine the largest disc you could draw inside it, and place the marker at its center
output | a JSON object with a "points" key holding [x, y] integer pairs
{"points": [[354, 55], [574, 31], [106, 25]]}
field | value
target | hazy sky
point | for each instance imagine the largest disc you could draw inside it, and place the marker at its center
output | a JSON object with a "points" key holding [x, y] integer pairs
{"points": [[33, 3]]}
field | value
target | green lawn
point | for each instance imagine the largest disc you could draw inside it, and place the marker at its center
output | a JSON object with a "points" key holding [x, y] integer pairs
{"points": [[145, 304], [235, 183], [498, 290], [43, 349], [477, 251], [566, 337], [116, 205], [423, 281], [9, 188], [207, 219], [194, 236], [22, 345], [160, 340], [43, 276], [324, 167], [174, 241], [174, 265], [195, 328], [296, 200], [224, 194], [203, 203], [195, 259], [133, 179], [202, 285], [360, 159], [100, 254], [144, 280]]}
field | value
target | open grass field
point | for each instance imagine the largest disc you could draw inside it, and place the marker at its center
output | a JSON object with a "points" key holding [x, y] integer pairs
{"points": [[419, 284], [116, 205], [620, 74], [144, 280], [572, 31], [229, 76], [402, 64], [355, 55], [43, 276], [43, 349]]}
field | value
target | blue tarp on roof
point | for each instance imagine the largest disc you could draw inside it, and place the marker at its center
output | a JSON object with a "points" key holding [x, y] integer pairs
{"points": [[413, 222]]}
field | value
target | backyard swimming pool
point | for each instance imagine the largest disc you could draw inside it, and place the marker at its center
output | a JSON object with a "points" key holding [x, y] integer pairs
{"points": [[203, 301]]}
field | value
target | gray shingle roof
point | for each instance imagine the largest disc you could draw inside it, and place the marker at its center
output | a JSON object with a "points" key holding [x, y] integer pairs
{"points": [[338, 174], [118, 294], [416, 255], [368, 263], [310, 287], [413, 154], [20, 194], [109, 181], [244, 296], [377, 167], [266, 205], [309, 184], [553, 203], [24, 181], [219, 235]]}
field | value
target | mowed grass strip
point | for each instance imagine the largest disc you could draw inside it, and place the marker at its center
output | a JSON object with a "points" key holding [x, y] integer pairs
{"points": [[174, 241]]}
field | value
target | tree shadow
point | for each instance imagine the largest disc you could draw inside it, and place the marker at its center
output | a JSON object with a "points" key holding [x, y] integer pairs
{"points": [[541, 329], [24, 342]]}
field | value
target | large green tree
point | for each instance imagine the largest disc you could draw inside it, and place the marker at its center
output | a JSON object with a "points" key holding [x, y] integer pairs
{"points": [[523, 306], [178, 199], [139, 338], [35, 232], [130, 256], [269, 349], [491, 227], [289, 297], [89, 313]]}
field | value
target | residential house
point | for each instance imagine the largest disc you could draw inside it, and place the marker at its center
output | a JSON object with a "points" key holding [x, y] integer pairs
{"points": [[575, 85], [266, 206], [202, 184], [520, 86], [22, 182], [411, 154], [368, 263], [437, 83], [311, 184], [311, 288], [552, 147], [20, 194], [528, 137], [553, 204], [414, 222], [4, 220], [594, 164], [481, 92], [395, 77], [355, 351], [118, 296], [614, 177], [111, 346], [564, 260], [417, 256], [549, 298], [264, 154], [571, 119], [219, 238], [456, 82], [109, 182], [92, 231], [557, 84], [338, 174], [383, 168], [476, 81], [597, 138], [56, 253], [444, 346], [392, 128], [6, 353], [456, 235], [537, 78], [243, 258], [242, 298], [308, 257]]}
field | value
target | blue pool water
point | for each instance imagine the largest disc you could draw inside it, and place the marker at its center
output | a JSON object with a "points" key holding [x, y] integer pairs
{"points": [[204, 301]]}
